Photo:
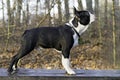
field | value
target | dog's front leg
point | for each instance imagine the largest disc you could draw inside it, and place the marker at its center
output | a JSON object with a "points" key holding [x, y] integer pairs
{"points": [[66, 65]]}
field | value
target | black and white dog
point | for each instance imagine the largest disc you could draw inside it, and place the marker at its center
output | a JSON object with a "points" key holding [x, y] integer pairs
{"points": [[62, 38]]}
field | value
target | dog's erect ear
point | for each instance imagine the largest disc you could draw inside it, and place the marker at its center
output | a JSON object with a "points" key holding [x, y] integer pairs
{"points": [[75, 11]]}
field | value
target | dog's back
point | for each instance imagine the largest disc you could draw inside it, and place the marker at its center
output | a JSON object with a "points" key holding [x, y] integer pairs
{"points": [[47, 37]]}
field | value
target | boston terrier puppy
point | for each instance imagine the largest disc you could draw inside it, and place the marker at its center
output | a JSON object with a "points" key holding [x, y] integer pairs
{"points": [[62, 38]]}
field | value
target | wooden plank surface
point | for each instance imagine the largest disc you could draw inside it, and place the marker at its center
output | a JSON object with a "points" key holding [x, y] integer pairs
{"points": [[43, 74]]}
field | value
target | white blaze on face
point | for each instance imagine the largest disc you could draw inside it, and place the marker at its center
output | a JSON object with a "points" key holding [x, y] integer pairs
{"points": [[66, 65]]}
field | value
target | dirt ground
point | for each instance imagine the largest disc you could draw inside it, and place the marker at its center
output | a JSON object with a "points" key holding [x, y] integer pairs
{"points": [[82, 57]]}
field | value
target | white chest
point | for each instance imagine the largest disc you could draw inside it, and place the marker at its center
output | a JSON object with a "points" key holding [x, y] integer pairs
{"points": [[81, 28], [75, 37]]}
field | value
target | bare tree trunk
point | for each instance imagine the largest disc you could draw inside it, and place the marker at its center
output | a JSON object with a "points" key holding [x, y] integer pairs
{"points": [[24, 17], [9, 11], [19, 7], [118, 37], [8, 27], [13, 13], [97, 14], [9, 17], [114, 34], [97, 8], [13, 8], [3, 20], [80, 5], [89, 5], [37, 1], [117, 13], [67, 13], [59, 12], [47, 2], [27, 14], [105, 14], [37, 7]]}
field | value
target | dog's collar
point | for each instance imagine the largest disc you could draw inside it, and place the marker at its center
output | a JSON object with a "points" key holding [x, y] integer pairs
{"points": [[73, 29]]}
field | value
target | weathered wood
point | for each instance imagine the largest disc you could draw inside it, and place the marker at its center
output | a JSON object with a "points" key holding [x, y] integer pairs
{"points": [[43, 74]]}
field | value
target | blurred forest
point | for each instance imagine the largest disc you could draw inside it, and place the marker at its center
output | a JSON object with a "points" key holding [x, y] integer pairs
{"points": [[101, 47]]}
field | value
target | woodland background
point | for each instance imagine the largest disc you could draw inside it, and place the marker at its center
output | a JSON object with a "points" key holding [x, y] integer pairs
{"points": [[101, 47]]}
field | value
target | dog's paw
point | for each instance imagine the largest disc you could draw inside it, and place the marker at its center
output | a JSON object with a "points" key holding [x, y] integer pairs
{"points": [[71, 72], [11, 71]]}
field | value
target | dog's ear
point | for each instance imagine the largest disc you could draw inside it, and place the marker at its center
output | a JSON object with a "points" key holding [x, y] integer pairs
{"points": [[76, 12]]}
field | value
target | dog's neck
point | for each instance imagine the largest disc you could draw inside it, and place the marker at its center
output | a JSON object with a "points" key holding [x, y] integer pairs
{"points": [[80, 28]]}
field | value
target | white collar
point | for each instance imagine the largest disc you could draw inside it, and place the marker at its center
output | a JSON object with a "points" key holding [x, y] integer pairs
{"points": [[80, 29], [73, 29]]}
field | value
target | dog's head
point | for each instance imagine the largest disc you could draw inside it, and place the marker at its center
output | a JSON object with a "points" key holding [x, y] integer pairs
{"points": [[82, 18]]}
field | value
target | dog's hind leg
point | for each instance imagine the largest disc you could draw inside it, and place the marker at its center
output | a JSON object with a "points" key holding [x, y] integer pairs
{"points": [[25, 49]]}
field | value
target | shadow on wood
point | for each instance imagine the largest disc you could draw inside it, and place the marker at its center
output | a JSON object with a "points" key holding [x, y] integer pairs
{"points": [[43, 74]]}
